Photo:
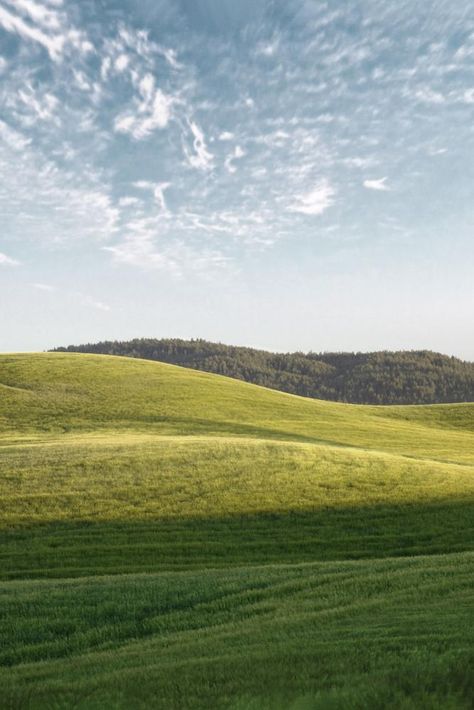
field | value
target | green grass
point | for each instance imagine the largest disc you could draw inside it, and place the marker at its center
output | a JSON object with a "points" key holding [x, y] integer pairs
{"points": [[262, 550], [392, 634]]}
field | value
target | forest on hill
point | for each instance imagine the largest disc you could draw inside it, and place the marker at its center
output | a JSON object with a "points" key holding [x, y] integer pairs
{"points": [[405, 377]]}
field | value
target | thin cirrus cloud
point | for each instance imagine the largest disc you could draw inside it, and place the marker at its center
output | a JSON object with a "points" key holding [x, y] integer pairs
{"points": [[157, 189], [379, 185], [47, 288], [44, 16], [13, 138], [152, 111], [172, 147], [230, 160], [82, 299], [7, 260], [316, 201], [47, 27], [199, 156]]}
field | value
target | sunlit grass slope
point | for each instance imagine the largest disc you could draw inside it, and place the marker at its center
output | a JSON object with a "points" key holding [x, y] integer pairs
{"points": [[141, 451], [79, 393]]}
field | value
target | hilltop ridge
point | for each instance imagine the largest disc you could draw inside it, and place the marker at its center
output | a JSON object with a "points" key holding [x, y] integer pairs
{"points": [[405, 377]]}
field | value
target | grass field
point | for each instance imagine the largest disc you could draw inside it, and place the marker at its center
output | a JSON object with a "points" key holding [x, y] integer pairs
{"points": [[170, 538]]}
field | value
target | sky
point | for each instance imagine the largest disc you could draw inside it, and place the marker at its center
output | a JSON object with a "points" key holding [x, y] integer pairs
{"points": [[284, 174]]}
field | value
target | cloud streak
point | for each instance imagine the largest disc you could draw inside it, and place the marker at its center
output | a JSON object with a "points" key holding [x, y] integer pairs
{"points": [[379, 185], [316, 201], [7, 260]]}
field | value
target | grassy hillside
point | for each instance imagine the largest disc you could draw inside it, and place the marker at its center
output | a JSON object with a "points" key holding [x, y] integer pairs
{"points": [[405, 377], [257, 531], [378, 634]]}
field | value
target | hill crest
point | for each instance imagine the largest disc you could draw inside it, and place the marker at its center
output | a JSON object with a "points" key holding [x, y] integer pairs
{"points": [[400, 377]]}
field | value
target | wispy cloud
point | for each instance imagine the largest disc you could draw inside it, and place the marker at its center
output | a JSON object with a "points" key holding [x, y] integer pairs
{"points": [[244, 131], [316, 201], [151, 112], [13, 138], [429, 96], [236, 155], [44, 202], [380, 184], [99, 305], [45, 26], [44, 287], [200, 158], [43, 16], [7, 260], [157, 188]]}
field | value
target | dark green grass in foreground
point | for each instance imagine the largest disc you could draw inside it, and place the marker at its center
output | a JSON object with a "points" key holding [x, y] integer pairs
{"points": [[117, 547], [371, 634]]}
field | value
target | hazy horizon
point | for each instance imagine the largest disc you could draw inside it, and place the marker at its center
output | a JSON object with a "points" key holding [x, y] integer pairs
{"points": [[287, 176]]}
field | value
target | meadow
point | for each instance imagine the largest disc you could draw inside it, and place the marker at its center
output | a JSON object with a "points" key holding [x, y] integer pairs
{"points": [[177, 539]]}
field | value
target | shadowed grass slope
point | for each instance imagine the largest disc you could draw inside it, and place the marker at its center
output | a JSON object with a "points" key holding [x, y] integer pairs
{"points": [[376, 634]]}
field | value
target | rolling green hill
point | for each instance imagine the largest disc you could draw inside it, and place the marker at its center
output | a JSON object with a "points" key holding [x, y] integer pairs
{"points": [[173, 538], [404, 377]]}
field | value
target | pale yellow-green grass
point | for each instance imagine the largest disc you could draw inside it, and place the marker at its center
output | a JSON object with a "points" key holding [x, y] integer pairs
{"points": [[54, 392], [138, 476], [103, 438]]}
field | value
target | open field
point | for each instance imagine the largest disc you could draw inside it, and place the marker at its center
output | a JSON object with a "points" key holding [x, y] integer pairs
{"points": [[179, 539], [392, 633]]}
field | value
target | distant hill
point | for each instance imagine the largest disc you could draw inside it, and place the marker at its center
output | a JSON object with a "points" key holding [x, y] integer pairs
{"points": [[405, 377]]}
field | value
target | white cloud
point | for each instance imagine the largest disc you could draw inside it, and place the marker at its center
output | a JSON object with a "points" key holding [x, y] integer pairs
{"points": [[43, 202], [38, 13], [316, 201], [13, 138], [39, 107], [13, 23], [129, 201], [157, 188], [428, 96], [139, 42], [99, 305], [122, 62], [380, 184], [361, 163], [88, 301], [268, 49], [81, 80], [7, 260], [44, 287], [202, 159], [468, 96], [152, 112], [236, 155], [142, 251], [226, 136], [42, 25]]}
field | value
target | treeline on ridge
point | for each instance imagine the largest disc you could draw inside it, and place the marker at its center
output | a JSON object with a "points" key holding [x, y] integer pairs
{"points": [[405, 377]]}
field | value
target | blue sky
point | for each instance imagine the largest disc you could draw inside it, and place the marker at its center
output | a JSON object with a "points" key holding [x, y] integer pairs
{"points": [[288, 175]]}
